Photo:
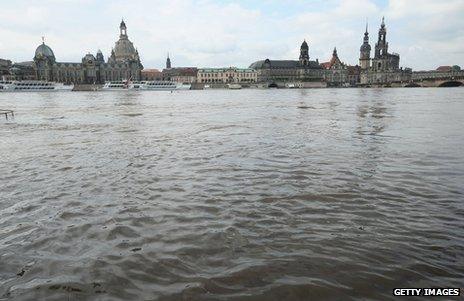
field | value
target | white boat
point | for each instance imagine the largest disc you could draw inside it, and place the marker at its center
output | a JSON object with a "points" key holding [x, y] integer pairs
{"points": [[235, 86], [145, 86], [162, 86], [184, 86], [119, 85], [32, 86], [291, 85]]}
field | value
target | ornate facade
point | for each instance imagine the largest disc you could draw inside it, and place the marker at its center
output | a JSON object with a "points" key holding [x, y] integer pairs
{"points": [[335, 72], [227, 75], [123, 63], [303, 70], [384, 67]]}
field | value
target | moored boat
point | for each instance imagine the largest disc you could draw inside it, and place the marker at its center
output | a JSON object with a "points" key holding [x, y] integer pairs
{"points": [[32, 86], [145, 86], [119, 85], [160, 86], [291, 85], [234, 86]]}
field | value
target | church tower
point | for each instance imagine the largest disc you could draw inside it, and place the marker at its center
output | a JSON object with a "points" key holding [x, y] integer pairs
{"points": [[168, 62], [122, 30], [100, 57], [381, 48], [304, 54], [383, 60], [365, 52]]}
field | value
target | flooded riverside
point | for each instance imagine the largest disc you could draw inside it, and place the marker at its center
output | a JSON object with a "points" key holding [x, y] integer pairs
{"points": [[330, 194]]}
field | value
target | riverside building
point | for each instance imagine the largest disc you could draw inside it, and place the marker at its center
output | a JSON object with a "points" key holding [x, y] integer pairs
{"points": [[335, 72], [182, 75], [123, 63], [384, 67], [277, 72], [229, 75], [5, 66]]}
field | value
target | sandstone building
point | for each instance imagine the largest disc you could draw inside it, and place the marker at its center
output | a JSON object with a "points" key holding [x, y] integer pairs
{"points": [[302, 70], [123, 63], [335, 72], [5, 66], [227, 75], [182, 75], [384, 67], [151, 75]]}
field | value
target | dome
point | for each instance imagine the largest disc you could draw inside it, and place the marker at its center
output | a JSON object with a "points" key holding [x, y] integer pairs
{"points": [[304, 45], [89, 57], [124, 49], [44, 51]]}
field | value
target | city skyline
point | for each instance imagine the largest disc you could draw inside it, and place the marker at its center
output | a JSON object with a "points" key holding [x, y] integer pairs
{"points": [[235, 33]]}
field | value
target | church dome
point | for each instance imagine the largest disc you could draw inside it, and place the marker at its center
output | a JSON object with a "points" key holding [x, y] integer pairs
{"points": [[124, 49], [44, 51], [88, 58]]}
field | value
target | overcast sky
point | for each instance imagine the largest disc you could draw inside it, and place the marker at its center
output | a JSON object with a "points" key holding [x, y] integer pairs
{"points": [[207, 33]]}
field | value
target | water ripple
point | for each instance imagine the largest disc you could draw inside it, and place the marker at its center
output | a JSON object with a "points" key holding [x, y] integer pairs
{"points": [[339, 194]]}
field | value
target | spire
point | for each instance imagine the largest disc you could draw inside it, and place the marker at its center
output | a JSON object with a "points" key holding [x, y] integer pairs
{"points": [[100, 57], [366, 34], [304, 45], [335, 52], [168, 62], [43, 40], [383, 22]]}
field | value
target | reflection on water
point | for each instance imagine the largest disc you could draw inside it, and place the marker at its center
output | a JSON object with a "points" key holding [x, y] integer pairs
{"points": [[339, 194]]}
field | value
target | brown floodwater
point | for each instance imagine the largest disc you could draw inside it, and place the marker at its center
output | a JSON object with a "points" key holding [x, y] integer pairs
{"points": [[331, 194]]}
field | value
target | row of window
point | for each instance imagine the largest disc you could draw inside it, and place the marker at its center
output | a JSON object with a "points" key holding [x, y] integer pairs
{"points": [[106, 74], [214, 80], [34, 88], [227, 74], [32, 84]]}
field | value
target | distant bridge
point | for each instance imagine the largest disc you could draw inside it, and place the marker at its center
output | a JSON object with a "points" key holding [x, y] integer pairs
{"points": [[436, 79]]}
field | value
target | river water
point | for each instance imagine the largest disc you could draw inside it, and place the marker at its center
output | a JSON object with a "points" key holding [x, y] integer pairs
{"points": [[331, 194]]}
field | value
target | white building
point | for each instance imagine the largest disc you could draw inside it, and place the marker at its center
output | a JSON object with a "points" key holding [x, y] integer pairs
{"points": [[227, 75]]}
